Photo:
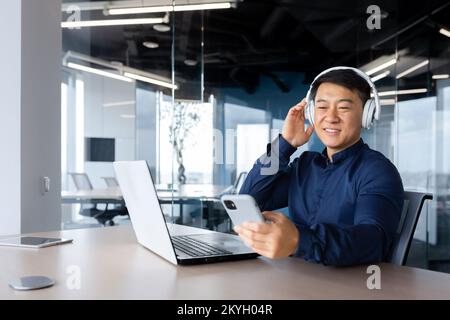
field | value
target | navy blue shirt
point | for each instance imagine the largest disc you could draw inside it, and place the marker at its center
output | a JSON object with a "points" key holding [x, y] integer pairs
{"points": [[346, 210]]}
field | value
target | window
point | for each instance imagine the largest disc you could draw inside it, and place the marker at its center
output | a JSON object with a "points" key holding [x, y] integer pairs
{"points": [[185, 141]]}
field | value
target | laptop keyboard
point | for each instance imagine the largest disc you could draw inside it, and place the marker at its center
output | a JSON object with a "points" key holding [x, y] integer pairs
{"points": [[196, 248]]}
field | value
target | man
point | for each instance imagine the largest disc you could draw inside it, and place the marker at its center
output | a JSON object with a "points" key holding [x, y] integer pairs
{"points": [[345, 203]]}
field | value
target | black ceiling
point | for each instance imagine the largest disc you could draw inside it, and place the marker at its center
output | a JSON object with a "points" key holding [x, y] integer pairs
{"points": [[263, 37]]}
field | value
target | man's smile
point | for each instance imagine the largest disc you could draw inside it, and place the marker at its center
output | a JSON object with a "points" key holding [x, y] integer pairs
{"points": [[332, 131]]}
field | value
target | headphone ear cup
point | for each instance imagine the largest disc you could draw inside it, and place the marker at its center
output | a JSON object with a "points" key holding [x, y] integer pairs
{"points": [[368, 113]]}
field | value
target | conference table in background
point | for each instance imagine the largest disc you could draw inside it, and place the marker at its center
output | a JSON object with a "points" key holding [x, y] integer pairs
{"points": [[114, 194], [108, 263], [188, 194]]}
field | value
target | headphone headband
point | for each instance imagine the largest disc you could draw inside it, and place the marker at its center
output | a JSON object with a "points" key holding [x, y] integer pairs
{"points": [[376, 98]]}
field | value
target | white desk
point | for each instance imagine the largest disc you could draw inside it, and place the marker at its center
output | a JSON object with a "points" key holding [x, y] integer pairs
{"points": [[114, 266]]}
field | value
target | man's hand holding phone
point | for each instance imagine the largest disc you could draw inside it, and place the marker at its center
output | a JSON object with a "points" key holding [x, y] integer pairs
{"points": [[275, 240], [270, 233]]}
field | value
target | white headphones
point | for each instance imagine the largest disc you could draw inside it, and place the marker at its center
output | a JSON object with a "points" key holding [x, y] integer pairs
{"points": [[371, 111]]}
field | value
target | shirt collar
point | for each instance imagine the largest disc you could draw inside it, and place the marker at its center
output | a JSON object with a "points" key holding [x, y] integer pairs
{"points": [[346, 153]]}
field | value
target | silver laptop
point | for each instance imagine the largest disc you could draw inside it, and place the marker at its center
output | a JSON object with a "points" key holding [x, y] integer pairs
{"points": [[175, 243]]}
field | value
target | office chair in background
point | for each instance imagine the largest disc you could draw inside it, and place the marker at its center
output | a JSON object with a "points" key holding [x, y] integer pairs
{"points": [[103, 216], [111, 182], [237, 185], [217, 213]]}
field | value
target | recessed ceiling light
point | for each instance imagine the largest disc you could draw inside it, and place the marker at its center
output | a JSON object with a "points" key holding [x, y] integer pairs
{"points": [[120, 72], [381, 66], [397, 92], [412, 69], [445, 32], [161, 27], [98, 72], [150, 80], [440, 76], [105, 23], [150, 44], [380, 76], [190, 62], [169, 8]]}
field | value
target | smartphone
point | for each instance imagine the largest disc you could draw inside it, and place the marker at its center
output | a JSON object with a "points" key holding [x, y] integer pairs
{"points": [[242, 208]]}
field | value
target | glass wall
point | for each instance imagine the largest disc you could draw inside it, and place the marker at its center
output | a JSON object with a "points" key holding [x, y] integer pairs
{"points": [[98, 127], [227, 79], [411, 131]]}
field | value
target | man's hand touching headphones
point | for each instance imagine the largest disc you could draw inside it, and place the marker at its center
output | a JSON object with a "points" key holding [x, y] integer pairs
{"points": [[294, 126]]}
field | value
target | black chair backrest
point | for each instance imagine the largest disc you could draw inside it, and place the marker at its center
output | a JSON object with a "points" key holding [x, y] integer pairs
{"points": [[412, 206]]}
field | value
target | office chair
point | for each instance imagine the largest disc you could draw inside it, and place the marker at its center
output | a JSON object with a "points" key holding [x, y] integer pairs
{"points": [[412, 206], [237, 185], [239, 182], [81, 181], [110, 181], [103, 216], [218, 214]]}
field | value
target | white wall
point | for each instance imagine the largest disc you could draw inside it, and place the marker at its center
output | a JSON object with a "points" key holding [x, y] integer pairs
{"points": [[10, 111], [30, 115]]}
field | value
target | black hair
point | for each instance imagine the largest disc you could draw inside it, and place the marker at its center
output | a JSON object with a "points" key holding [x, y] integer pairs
{"points": [[345, 78]]}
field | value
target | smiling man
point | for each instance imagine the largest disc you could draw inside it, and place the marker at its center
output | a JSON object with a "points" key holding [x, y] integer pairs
{"points": [[344, 203]]}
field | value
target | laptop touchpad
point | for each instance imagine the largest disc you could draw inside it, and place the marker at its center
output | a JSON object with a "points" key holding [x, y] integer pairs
{"points": [[225, 241]]}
